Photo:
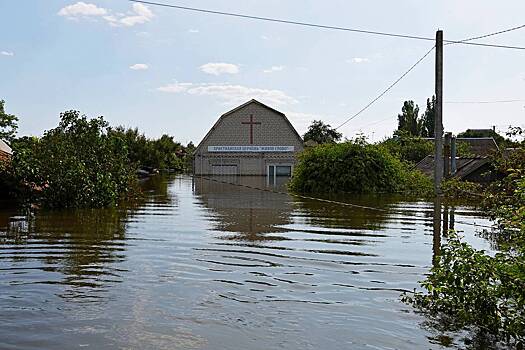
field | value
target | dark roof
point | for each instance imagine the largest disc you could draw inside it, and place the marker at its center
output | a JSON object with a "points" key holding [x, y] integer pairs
{"points": [[465, 165], [479, 146]]}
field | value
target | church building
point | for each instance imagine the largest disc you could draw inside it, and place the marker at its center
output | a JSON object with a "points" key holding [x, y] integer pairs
{"points": [[252, 139]]}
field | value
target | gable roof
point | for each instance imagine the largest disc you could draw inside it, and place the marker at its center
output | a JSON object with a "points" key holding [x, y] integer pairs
{"points": [[464, 165], [4, 147], [479, 146], [240, 107]]}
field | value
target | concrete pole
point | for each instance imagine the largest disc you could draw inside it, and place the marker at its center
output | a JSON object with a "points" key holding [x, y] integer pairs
{"points": [[438, 120]]}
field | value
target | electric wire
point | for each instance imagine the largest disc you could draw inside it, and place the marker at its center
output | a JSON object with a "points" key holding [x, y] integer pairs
{"points": [[483, 102], [387, 89], [346, 204], [330, 27]]}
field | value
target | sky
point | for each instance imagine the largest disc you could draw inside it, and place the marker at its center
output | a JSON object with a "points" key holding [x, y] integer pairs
{"points": [[170, 71]]}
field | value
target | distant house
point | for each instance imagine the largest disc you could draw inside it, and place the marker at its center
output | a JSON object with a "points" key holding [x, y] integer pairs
{"points": [[478, 146], [5, 151], [473, 169]]}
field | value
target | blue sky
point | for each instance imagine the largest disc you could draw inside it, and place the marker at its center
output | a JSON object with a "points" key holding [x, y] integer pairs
{"points": [[170, 71]]}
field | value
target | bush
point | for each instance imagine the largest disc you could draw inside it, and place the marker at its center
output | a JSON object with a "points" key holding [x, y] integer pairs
{"points": [[356, 167], [77, 164], [408, 148], [468, 288]]}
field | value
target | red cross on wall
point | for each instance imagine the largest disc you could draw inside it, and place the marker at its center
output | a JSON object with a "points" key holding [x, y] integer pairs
{"points": [[251, 123]]}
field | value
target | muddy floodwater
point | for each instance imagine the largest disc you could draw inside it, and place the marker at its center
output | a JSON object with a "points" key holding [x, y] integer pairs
{"points": [[206, 265]]}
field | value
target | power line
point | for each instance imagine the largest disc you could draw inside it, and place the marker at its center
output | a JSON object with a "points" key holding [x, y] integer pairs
{"points": [[488, 35], [387, 89], [483, 102], [330, 27]]}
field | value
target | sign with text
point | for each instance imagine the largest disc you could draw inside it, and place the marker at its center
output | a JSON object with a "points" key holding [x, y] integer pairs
{"points": [[256, 149]]}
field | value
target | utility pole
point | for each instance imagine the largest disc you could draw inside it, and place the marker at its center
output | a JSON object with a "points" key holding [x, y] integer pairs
{"points": [[438, 119]]}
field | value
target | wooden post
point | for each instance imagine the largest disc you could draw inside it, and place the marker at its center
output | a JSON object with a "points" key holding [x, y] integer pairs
{"points": [[438, 120]]}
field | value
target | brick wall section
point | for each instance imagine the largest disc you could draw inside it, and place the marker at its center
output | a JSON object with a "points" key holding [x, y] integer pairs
{"points": [[274, 130]]}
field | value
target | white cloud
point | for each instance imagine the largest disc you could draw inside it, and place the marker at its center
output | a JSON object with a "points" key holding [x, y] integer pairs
{"points": [[264, 37], [175, 87], [7, 53], [358, 60], [301, 121], [193, 31], [231, 94], [274, 69], [139, 14], [139, 66], [219, 68], [81, 9]]}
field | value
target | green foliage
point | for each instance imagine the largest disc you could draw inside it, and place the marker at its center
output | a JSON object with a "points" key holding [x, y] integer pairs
{"points": [[501, 141], [321, 133], [427, 122], [8, 124], [409, 121], [454, 188], [162, 153], [77, 164], [469, 288], [408, 148], [355, 166], [411, 124]]}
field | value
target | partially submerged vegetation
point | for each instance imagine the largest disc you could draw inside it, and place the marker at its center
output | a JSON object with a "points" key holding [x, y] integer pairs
{"points": [[356, 166], [84, 163], [469, 289]]}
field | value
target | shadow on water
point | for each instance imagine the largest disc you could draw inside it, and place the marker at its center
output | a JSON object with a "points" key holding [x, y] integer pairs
{"points": [[205, 264], [250, 214], [79, 249]]}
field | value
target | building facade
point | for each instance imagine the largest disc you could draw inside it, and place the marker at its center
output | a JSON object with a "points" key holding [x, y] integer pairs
{"points": [[252, 139]]}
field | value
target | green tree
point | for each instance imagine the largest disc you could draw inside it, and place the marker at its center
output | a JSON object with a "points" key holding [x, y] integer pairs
{"points": [[501, 141], [427, 122], [408, 120], [8, 124], [322, 133], [77, 164]]}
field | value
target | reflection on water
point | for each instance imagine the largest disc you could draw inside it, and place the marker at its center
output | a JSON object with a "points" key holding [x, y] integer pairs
{"points": [[205, 265]]}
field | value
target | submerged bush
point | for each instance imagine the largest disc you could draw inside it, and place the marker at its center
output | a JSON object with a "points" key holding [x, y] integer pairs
{"points": [[468, 288], [408, 148], [77, 164], [356, 167]]}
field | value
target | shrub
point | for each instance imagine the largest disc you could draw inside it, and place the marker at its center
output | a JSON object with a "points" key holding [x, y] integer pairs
{"points": [[77, 164], [467, 288], [356, 167], [408, 148]]}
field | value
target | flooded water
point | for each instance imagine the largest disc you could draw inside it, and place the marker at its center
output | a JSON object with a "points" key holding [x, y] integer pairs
{"points": [[207, 265]]}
